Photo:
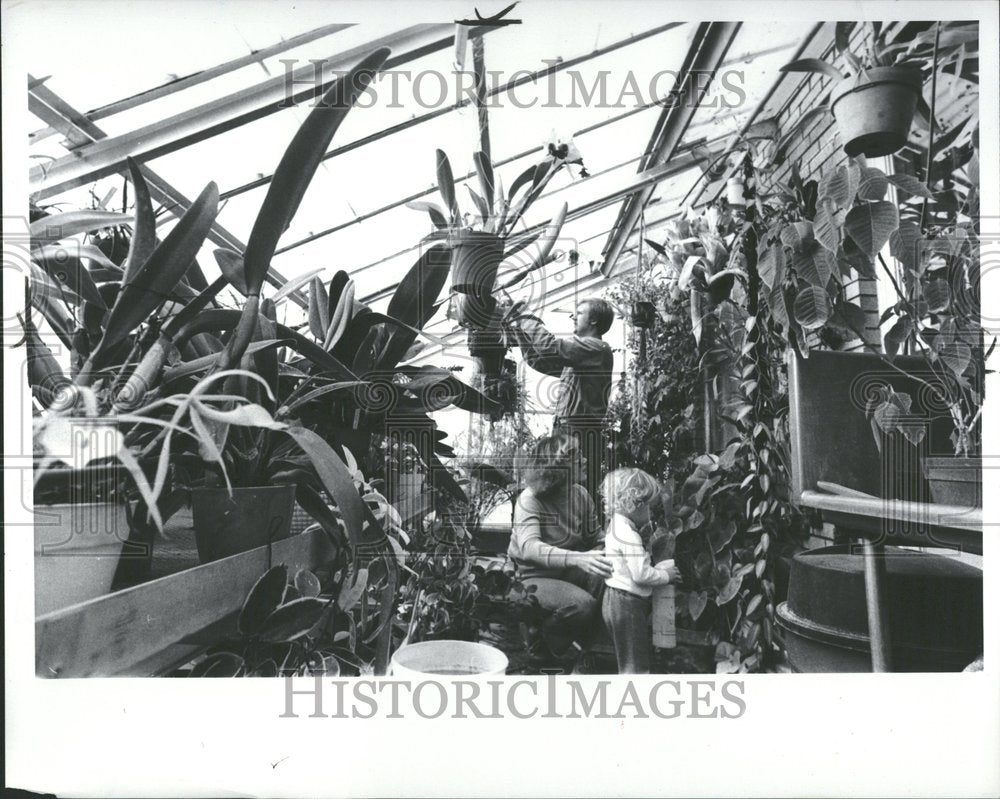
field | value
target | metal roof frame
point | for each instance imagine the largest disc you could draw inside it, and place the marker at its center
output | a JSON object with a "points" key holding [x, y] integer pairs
{"points": [[706, 54], [196, 78], [100, 159]]}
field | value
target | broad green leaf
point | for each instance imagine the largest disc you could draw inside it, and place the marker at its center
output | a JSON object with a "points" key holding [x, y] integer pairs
{"points": [[848, 316], [294, 285], [697, 602], [231, 265], [814, 65], [414, 301], [143, 240], [246, 415], [59, 262], [911, 185], [873, 185], [219, 664], [484, 169], [812, 307], [771, 266], [905, 245], [292, 620], [319, 310], [937, 295], [729, 590], [897, 334], [337, 481], [263, 600], [826, 230], [870, 224], [350, 595], [298, 165], [521, 180], [50, 229], [307, 583], [798, 235], [437, 216], [156, 278], [841, 184], [446, 185], [956, 356]]}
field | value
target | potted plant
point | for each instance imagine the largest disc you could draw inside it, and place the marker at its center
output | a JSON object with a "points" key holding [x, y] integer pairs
{"points": [[874, 98], [481, 241]]}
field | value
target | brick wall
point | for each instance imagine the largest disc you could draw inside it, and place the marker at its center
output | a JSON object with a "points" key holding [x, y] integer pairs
{"points": [[818, 150]]}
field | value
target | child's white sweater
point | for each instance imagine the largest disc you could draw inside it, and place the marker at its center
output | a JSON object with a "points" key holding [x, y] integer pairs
{"points": [[634, 571]]}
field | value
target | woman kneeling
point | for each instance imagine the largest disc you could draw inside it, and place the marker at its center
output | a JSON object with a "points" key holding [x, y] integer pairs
{"points": [[556, 542]]}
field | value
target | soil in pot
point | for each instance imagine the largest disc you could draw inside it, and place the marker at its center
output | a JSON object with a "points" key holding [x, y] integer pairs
{"points": [[226, 525], [955, 481], [77, 550], [874, 111]]}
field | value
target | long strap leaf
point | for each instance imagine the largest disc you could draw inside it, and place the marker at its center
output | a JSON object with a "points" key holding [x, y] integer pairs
{"points": [[50, 229], [154, 281], [299, 164], [144, 232]]}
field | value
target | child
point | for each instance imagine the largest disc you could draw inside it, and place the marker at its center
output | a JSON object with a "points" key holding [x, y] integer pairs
{"points": [[627, 605]]}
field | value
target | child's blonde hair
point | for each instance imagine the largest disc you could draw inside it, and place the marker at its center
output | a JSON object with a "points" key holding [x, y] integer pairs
{"points": [[626, 489]]}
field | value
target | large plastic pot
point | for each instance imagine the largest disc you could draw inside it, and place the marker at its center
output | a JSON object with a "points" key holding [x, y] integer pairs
{"points": [[77, 549], [449, 658], [475, 258], [874, 110], [934, 605], [250, 518], [955, 481]]}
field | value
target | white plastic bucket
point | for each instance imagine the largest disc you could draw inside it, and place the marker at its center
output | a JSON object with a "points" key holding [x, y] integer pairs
{"points": [[448, 658]]}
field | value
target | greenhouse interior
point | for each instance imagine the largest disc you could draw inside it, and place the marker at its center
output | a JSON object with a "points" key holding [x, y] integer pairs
{"points": [[505, 345]]}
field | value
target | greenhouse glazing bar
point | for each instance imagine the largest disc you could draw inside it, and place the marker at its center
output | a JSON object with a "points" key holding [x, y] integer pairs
{"points": [[103, 158], [196, 78], [51, 108], [708, 50]]}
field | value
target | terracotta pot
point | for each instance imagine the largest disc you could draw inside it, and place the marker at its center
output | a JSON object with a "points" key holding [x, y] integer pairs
{"points": [[250, 518], [475, 258], [77, 549], [874, 111], [955, 481]]}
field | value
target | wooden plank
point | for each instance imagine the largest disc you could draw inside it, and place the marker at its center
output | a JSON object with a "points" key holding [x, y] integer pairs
{"points": [[110, 634]]}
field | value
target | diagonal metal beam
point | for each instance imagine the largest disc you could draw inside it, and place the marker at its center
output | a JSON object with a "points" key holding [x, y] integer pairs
{"points": [[522, 79], [51, 108], [708, 49], [196, 78], [105, 157]]}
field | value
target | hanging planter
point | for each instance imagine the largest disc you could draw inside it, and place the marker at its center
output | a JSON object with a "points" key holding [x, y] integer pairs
{"points": [[475, 258], [226, 525], [643, 314], [874, 110]]}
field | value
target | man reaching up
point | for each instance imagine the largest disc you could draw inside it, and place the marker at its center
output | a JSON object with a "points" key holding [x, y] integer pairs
{"points": [[583, 362]]}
